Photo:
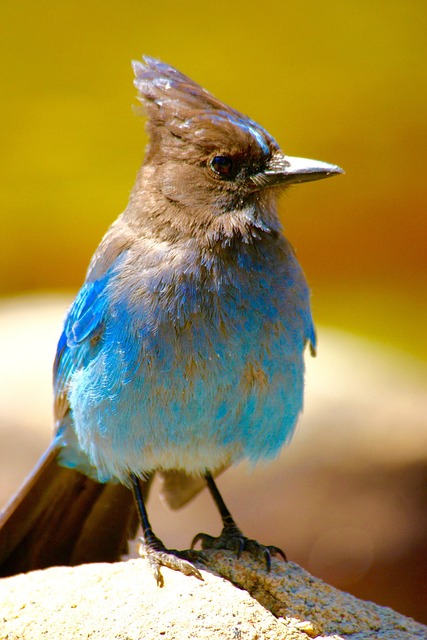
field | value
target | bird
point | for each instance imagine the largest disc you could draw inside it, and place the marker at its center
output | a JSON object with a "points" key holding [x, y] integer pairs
{"points": [[183, 352]]}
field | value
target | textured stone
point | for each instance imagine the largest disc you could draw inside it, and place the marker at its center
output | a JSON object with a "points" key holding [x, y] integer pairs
{"points": [[122, 602]]}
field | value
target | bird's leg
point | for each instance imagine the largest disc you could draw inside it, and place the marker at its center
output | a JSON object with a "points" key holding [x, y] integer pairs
{"points": [[231, 537], [154, 549]]}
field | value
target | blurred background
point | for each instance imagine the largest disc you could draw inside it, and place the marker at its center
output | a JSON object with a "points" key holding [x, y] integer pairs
{"points": [[339, 82]]}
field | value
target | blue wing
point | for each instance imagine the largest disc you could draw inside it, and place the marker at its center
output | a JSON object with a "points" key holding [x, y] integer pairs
{"points": [[83, 329]]}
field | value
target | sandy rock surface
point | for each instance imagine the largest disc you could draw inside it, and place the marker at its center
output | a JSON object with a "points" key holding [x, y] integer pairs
{"points": [[122, 602]]}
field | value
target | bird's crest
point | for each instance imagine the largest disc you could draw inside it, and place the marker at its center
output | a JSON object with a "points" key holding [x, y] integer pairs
{"points": [[174, 102], [173, 93]]}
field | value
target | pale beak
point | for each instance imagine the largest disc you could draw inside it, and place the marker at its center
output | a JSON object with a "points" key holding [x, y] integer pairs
{"points": [[289, 170]]}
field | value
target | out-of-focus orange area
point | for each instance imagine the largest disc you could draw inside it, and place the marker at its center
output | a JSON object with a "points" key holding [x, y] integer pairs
{"points": [[343, 82]]}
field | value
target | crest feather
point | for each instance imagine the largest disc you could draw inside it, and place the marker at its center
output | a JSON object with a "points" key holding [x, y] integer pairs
{"points": [[167, 94]]}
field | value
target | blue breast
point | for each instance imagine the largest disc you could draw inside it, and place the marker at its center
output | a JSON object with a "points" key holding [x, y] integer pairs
{"points": [[185, 363]]}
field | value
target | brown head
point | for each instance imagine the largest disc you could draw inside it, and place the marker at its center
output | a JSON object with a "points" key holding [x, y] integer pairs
{"points": [[208, 168]]}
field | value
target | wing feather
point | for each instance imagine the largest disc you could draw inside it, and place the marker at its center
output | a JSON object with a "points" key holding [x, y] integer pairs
{"points": [[83, 328]]}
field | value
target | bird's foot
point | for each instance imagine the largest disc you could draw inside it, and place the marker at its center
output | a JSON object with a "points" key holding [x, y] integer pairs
{"points": [[232, 538], [158, 556]]}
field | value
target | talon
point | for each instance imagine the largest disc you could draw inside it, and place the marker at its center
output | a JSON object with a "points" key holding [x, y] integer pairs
{"points": [[195, 540], [276, 551], [158, 557], [240, 543], [232, 539], [267, 558], [201, 537]]}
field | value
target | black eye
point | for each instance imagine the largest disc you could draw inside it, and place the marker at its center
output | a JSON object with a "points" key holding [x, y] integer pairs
{"points": [[222, 166]]}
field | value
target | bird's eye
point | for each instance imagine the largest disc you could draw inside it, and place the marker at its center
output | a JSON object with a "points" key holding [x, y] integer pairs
{"points": [[222, 166]]}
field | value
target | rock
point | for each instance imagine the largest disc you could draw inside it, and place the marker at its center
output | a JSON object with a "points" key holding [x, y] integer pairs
{"points": [[122, 602]]}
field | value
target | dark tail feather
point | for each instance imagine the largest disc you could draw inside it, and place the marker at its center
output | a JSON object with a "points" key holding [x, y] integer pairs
{"points": [[61, 517]]}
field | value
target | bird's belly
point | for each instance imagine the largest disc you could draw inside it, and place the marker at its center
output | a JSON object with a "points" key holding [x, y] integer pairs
{"points": [[193, 406]]}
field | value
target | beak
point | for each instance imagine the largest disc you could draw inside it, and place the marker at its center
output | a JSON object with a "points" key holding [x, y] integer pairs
{"points": [[284, 170]]}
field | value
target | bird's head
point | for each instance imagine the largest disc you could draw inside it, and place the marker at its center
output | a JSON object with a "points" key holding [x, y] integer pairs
{"points": [[220, 169]]}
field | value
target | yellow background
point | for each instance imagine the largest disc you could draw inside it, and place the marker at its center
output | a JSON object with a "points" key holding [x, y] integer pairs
{"points": [[344, 82]]}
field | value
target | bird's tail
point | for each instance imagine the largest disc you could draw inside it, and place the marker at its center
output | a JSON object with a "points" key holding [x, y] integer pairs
{"points": [[61, 517]]}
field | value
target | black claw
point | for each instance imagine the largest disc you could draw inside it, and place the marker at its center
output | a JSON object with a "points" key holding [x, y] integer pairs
{"points": [[240, 544], [198, 538], [233, 540], [267, 558], [276, 551]]}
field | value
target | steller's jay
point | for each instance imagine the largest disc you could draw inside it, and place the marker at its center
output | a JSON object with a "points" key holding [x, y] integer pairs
{"points": [[183, 351]]}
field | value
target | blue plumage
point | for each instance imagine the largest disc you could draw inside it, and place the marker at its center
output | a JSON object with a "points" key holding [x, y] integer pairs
{"points": [[186, 367]]}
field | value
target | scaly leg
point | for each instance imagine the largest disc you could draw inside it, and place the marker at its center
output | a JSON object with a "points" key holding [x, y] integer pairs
{"points": [[231, 537], [154, 549]]}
